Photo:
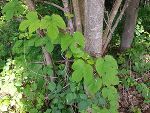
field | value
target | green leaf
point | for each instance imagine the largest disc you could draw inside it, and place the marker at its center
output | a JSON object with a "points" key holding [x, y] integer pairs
{"points": [[49, 46], [59, 21], [32, 23], [83, 105], [110, 93], [52, 32], [66, 42], [99, 66], [95, 86], [88, 74], [79, 39], [104, 110], [110, 79], [32, 16], [51, 86], [70, 97], [77, 76], [45, 22], [78, 64], [40, 42], [12, 8], [34, 26], [109, 59], [24, 25]]}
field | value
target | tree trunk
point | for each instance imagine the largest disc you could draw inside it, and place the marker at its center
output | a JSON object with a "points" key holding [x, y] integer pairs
{"points": [[129, 26], [94, 14]]}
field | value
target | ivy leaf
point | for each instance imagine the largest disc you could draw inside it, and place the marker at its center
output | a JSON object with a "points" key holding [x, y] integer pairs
{"points": [[52, 32], [65, 42], [59, 21]]}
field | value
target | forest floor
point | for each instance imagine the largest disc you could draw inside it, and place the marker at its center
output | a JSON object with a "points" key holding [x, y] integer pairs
{"points": [[131, 99]]}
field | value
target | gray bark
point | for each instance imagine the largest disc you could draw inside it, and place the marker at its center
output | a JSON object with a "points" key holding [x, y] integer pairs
{"points": [[129, 26], [94, 14]]}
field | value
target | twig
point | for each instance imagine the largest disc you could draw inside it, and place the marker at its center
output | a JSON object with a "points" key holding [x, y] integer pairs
{"points": [[55, 5], [111, 19], [115, 25]]}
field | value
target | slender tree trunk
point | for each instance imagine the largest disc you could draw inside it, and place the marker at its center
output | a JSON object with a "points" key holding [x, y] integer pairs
{"points": [[129, 26], [77, 15], [94, 14]]}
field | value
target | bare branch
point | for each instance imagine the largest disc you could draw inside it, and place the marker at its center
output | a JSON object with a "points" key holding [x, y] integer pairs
{"points": [[111, 19], [55, 5], [115, 25], [67, 11]]}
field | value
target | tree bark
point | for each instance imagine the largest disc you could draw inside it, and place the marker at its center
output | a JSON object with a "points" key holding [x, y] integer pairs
{"points": [[77, 15], [94, 14], [129, 25]]}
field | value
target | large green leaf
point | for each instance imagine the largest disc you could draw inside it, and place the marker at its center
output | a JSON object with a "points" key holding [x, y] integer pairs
{"points": [[88, 74], [111, 61], [110, 93], [77, 76], [66, 42], [78, 64], [99, 66], [59, 21], [107, 68], [34, 26], [32, 22], [79, 39], [95, 86], [32, 16], [52, 32], [45, 22], [24, 25]]}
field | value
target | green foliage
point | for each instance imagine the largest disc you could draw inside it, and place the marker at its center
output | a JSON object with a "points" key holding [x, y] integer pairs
{"points": [[89, 82], [10, 80], [12, 8]]}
